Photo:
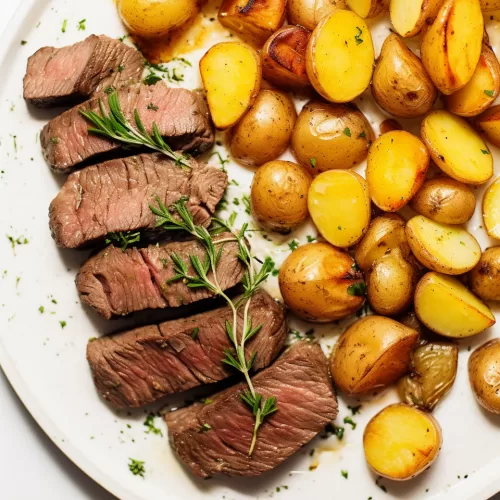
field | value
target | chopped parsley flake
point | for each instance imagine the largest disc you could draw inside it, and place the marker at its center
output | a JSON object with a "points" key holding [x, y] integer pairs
{"points": [[150, 424], [347, 131], [357, 37], [246, 201], [349, 420], [205, 428], [293, 245], [63, 324], [313, 162], [355, 409], [485, 152], [194, 333], [122, 38], [344, 474], [152, 106], [310, 238], [151, 79], [362, 135], [64, 26], [489, 93], [120, 68], [81, 25], [357, 290], [23, 42], [54, 140], [206, 401], [109, 90], [41, 309], [137, 467]]}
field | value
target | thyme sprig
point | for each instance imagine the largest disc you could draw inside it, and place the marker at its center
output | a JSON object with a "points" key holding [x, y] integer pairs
{"points": [[115, 126], [123, 238], [205, 275]]}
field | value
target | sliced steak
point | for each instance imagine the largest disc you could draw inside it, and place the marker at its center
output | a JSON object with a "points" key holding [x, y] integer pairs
{"points": [[116, 283], [115, 196], [59, 76], [137, 367], [181, 115], [215, 438]]}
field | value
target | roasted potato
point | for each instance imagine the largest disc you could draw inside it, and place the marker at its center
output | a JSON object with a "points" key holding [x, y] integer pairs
{"points": [[410, 320], [329, 136], [389, 125], [391, 283], [447, 307], [451, 46], [445, 200], [400, 83], [340, 56], [484, 375], [254, 20], [279, 195], [263, 133], [309, 13], [433, 372], [385, 233], [456, 148], [231, 74], [372, 353], [481, 90], [397, 164], [442, 247], [284, 58], [484, 279], [408, 18], [339, 205], [320, 283], [491, 209], [489, 5], [367, 8], [401, 441], [150, 19], [488, 123]]}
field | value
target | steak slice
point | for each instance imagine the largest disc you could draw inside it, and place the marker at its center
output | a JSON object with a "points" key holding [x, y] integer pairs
{"points": [[181, 115], [115, 196], [215, 438], [59, 76], [116, 282], [137, 367]]}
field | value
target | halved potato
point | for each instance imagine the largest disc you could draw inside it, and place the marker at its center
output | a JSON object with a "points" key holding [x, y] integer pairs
{"points": [[372, 353], [456, 148], [491, 209], [309, 13], [442, 247], [254, 20], [401, 441], [484, 279], [284, 57], [451, 46], [481, 90], [340, 57], [489, 5], [367, 8], [488, 124], [409, 17], [231, 74], [397, 164], [339, 205], [447, 307]]}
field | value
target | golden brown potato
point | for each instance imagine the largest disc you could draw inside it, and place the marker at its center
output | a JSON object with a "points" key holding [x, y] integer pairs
{"points": [[433, 372], [401, 441], [410, 320], [484, 279], [391, 283], [389, 125], [481, 90], [263, 133], [489, 5], [408, 18], [372, 353], [456, 148], [488, 124], [279, 195], [309, 13], [320, 283], [484, 375], [254, 20], [447, 307], [339, 205], [451, 46], [491, 209], [400, 83], [385, 233], [367, 8], [445, 200], [397, 164], [342, 37], [284, 57]]}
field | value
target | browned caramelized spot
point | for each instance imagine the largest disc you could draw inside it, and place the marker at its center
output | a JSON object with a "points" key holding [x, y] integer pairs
{"points": [[289, 50], [389, 125]]}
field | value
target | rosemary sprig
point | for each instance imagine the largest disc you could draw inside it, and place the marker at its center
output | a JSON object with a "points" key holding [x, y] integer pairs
{"points": [[205, 275], [115, 126], [123, 238]]}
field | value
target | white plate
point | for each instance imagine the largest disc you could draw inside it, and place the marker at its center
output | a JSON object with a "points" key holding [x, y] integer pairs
{"points": [[46, 363]]}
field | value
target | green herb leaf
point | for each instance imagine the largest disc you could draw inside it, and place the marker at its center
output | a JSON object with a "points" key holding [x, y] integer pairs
{"points": [[81, 25], [150, 424], [357, 290], [347, 131], [194, 333], [345, 474], [489, 93], [123, 238], [357, 37], [313, 162], [137, 467], [348, 420], [64, 26], [485, 152]]}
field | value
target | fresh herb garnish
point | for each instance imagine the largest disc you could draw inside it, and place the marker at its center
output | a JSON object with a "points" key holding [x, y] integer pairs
{"points": [[357, 37], [151, 79], [64, 25], [310, 238], [293, 245], [120, 68], [349, 420], [20, 240], [205, 428], [150, 424], [246, 201], [362, 135], [345, 474], [123, 238], [313, 162], [357, 290], [23, 42], [355, 409], [54, 140], [81, 25], [152, 106], [347, 131], [485, 152], [194, 333], [41, 309], [137, 467], [489, 93], [122, 38], [222, 161], [63, 324], [206, 401]]}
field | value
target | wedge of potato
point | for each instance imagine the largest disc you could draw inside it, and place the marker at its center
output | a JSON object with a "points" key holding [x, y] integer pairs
{"points": [[284, 57], [340, 57], [456, 148], [451, 46], [445, 306], [367, 8], [401, 441], [339, 205], [488, 123], [481, 90], [484, 279], [309, 13], [491, 209], [254, 20], [409, 17], [231, 73], [397, 164]]}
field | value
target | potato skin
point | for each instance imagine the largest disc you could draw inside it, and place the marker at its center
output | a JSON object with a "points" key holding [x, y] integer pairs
{"points": [[309, 13], [489, 5], [279, 195], [491, 213], [320, 133], [446, 200], [484, 375], [399, 13], [264, 131], [315, 281], [484, 279], [374, 9]]}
